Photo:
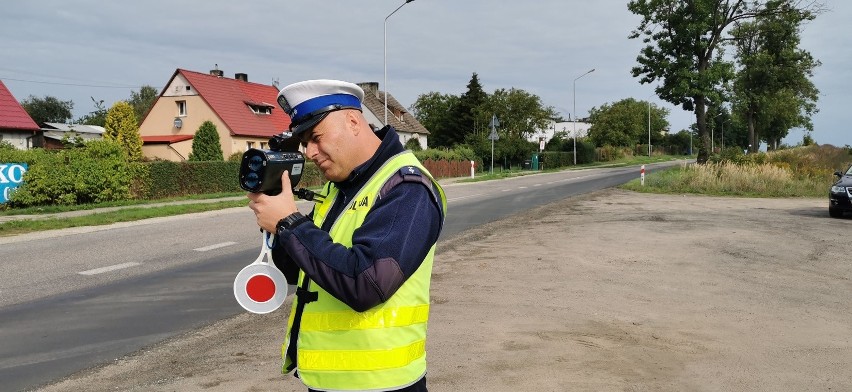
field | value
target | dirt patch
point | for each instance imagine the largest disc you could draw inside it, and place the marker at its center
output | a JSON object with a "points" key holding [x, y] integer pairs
{"points": [[611, 291]]}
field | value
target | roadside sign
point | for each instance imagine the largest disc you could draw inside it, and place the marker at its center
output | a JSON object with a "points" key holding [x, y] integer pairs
{"points": [[11, 177]]}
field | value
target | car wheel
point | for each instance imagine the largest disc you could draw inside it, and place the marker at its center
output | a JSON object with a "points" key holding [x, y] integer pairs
{"points": [[835, 213]]}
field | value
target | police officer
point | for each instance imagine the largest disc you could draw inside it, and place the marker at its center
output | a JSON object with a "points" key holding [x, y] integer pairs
{"points": [[362, 259]]}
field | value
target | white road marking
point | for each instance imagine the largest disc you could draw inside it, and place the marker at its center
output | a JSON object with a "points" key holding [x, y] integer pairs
{"points": [[536, 185], [463, 197], [215, 246], [108, 269]]}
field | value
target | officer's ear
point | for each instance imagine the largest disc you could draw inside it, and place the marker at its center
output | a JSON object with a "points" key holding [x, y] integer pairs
{"points": [[353, 121]]}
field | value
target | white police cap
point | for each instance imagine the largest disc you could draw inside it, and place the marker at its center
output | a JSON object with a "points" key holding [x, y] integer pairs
{"points": [[308, 102]]}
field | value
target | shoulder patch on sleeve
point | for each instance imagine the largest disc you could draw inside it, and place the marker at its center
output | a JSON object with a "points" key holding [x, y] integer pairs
{"points": [[410, 171], [406, 174]]}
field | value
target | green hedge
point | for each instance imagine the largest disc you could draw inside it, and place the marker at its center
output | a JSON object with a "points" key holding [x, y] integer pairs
{"points": [[556, 159], [95, 173], [162, 179]]}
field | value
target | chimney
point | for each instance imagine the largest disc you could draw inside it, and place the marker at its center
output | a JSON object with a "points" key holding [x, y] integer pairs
{"points": [[370, 87], [217, 72], [241, 76]]}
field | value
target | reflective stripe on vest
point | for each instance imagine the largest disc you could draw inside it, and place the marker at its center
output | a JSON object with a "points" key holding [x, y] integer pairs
{"points": [[379, 318], [361, 360]]}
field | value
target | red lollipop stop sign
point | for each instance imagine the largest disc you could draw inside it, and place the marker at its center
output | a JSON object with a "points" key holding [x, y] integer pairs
{"points": [[260, 287]]}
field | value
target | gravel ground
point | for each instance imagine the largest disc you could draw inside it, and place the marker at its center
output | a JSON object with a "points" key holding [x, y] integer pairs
{"points": [[615, 291]]}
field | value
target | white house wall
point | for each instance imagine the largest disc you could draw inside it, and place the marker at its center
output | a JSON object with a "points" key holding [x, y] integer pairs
{"points": [[179, 87], [17, 139], [564, 126]]}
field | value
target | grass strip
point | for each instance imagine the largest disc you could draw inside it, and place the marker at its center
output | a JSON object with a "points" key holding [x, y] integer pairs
{"points": [[125, 215], [52, 209], [728, 179]]}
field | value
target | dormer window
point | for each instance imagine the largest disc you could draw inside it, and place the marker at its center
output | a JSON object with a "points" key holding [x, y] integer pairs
{"points": [[260, 108]]}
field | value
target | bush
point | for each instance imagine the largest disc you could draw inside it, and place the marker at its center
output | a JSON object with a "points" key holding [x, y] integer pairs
{"points": [[206, 145], [413, 144], [557, 159], [460, 153], [585, 151], [236, 157], [97, 172], [4, 145], [612, 153]]}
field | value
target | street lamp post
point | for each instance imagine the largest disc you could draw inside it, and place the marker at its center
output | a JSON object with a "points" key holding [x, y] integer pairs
{"points": [[575, 112], [386, 58]]}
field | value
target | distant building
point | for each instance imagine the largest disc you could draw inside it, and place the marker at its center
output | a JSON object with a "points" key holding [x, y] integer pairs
{"points": [[16, 126], [566, 127], [245, 114], [398, 117], [53, 134]]}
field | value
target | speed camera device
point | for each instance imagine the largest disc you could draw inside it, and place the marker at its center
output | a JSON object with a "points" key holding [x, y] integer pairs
{"points": [[260, 170]]}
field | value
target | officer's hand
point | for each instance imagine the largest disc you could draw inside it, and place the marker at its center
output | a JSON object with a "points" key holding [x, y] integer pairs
{"points": [[270, 209]]}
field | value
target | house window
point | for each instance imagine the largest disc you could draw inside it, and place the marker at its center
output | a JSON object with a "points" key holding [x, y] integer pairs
{"points": [[263, 145], [250, 144], [181, 106], [258, 109]]}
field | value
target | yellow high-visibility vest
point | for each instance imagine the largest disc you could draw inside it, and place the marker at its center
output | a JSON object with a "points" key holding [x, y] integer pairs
{"points": [[340, 349]]}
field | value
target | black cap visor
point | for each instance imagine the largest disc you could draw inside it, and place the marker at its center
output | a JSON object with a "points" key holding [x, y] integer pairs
{"points": [[314, 118]]}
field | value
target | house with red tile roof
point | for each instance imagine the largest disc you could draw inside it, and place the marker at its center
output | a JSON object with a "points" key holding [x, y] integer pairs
{"points": [[245, 114], [16, 125]]}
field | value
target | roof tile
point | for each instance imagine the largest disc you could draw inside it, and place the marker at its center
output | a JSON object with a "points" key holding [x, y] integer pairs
{"points": [[12, 114]]}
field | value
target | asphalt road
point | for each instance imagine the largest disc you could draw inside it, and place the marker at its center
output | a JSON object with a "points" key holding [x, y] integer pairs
{"points": [[76, 298]]}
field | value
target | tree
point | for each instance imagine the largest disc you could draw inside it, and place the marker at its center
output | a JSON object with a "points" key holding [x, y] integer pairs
{"points": [[463, 120], [120, 126], [521, 114], [433, 110], [625, 123], [142, 101], [682, 40], [95, 117], [205, 144], [48, 109], [773, 92]]}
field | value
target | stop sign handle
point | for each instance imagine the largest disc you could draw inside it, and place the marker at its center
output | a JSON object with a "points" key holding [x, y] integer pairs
{"points": [[261, 287]]}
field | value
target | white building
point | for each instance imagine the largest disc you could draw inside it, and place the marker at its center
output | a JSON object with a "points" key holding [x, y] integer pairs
{"points": [[568, 127]]}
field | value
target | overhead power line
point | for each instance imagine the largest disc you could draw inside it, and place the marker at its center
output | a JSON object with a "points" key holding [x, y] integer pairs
{"points": [[66, 84]]}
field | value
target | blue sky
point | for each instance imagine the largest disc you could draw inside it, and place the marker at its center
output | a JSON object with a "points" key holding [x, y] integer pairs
{"points": [[106, 49]]}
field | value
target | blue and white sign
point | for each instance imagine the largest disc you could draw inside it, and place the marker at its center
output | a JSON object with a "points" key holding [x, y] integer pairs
{"points": [[11, 177]]}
